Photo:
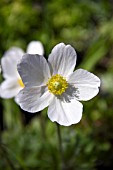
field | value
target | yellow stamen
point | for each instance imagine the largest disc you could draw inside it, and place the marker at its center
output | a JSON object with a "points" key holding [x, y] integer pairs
{"points": [[57, 84], [21, 82]]}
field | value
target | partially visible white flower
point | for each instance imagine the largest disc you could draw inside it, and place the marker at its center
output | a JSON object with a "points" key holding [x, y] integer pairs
{"points": [[35, 47], [13, 83], [54, 84]]}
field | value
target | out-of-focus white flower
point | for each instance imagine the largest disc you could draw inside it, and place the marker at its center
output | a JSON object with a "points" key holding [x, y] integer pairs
{"points": [[35, 47], [13, 83], [54, 84]]}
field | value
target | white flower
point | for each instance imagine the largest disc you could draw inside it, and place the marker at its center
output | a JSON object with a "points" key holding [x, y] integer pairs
{"points": [[54, 84], [13, 83]]}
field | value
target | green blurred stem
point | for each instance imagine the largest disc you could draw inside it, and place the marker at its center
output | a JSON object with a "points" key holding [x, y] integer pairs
{"points": [[60, 146], [42, 124]]}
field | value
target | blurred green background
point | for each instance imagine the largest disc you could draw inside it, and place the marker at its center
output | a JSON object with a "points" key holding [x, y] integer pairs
{"points": [[31, 143]]}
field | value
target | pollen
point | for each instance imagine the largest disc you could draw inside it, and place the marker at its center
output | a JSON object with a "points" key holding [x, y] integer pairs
{"points": [[20, 82], [57, 84]]}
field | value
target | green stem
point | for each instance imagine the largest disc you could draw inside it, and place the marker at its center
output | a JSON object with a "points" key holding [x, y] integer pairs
{"points": [[60, 146], [42, 124]]}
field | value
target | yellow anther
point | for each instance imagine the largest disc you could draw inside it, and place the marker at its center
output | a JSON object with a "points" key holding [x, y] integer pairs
{"points": [[21, 82], [57, 84]]}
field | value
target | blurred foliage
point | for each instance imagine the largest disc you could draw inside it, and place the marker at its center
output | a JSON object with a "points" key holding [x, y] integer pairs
{"points": [[88, 27]]}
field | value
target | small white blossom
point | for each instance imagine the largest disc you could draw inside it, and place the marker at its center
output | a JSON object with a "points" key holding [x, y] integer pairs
{"points": [[54, 84], [13, 83]]}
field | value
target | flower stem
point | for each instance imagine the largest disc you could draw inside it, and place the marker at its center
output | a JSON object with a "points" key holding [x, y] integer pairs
{"points": [[42, 125], [60, 146]]}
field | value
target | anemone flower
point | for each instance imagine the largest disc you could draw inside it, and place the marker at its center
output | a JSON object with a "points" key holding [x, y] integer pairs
{"points": [[13, 83], [53, 84]]}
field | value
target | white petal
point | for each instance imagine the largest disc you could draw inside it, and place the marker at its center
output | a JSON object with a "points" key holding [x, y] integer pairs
{"points": [[34, 99], [9, 62], [34, 70], [65, 113], [62, 59], [85, 93], [82, 77], [35, 47], [9, 88], [86, 84]]}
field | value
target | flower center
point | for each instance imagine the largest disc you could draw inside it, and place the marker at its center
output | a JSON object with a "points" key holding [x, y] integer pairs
{"points": [[57, 84], [21, 83]]}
